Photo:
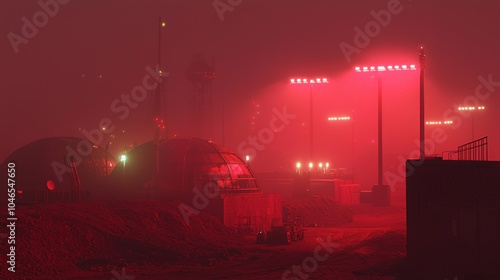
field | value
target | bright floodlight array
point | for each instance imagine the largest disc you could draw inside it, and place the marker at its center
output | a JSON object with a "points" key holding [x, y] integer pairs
{"points": [[470, 108], [320, 167], [332, 119], [439, 123], [403, 67], [309, 81]]}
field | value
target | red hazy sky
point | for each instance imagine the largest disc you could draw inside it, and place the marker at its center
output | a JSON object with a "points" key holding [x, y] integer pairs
{"points": [[87, 53]]}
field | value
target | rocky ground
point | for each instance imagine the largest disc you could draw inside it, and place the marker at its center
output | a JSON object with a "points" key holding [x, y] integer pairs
{"points": [[151, 240]]}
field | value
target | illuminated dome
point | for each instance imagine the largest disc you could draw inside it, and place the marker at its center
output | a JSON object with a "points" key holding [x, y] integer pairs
{"points": [[50, 169], [184, 166]]}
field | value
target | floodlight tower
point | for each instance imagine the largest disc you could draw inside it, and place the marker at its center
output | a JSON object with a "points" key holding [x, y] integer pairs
{"points": [[438, 123], [157, 104], [201, 75], [422, 105], [380, 70], [158, 100], [472, 110], [341, 119], [310, 83]]}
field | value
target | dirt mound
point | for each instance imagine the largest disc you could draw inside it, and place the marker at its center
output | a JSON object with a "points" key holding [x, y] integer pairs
{"points": [[317, 211], [57, 238]]}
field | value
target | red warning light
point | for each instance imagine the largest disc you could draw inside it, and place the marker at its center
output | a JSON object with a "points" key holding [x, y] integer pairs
{"points": [[51, 185], [159, 122]]}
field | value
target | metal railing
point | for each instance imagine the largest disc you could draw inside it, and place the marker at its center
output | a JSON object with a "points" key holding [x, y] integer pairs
{"points": [[475, 150]]}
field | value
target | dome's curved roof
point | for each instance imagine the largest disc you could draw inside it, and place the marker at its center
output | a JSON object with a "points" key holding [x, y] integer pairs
{"points": [[48, 159], [185, 164]]}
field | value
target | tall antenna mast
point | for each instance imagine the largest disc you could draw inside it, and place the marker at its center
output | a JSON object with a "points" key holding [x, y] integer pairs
{"points": [[157, 103]]}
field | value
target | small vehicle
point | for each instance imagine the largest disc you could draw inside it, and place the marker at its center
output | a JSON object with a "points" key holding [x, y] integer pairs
{"points": [[279, 235], [283, 234]]}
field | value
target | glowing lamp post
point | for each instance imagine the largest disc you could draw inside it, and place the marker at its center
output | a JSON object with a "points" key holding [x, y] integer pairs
{"points": [[440, 124], [123, 158], [422, 105], [310, 82], [157, 109], [342, 119], [380, 70]]}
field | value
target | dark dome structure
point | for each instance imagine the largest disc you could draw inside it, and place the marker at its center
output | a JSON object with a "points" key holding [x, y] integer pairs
{"points": [[185, 164], [58, 169]]}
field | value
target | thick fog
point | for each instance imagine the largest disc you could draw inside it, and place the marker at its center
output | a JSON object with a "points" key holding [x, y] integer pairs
{"points": [[67, 64]]}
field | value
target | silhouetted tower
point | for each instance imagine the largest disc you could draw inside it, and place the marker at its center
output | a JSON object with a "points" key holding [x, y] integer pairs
{"points": [[157, 107], [201, 75]]}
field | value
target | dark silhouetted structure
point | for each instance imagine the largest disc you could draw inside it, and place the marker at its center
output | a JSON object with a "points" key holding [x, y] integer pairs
{"points": [[58, 169], [453, 219]]}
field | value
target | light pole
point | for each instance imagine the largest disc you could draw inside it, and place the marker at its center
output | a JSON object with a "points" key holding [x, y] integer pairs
{"points": [[440, 124], [472, 109], [123, 159], [159, 122], [297, 167], [341, 119], [422, 105], [310, 82], [379, 70]]}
